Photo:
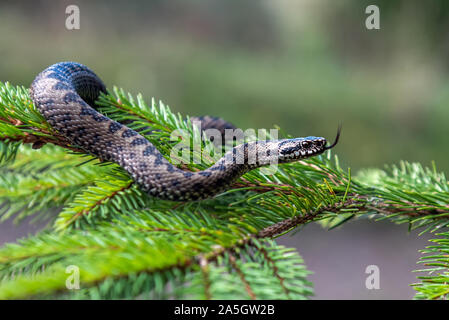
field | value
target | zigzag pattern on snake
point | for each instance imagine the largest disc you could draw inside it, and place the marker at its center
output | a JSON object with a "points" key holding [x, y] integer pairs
{"points": [[65, 94]]}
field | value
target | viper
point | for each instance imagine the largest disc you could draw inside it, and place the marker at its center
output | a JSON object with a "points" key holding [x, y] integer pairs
{"points": [[65, 94]]}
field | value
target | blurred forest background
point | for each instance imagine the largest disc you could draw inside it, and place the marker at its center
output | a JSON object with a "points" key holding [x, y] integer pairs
{"points": [[303, 65]]}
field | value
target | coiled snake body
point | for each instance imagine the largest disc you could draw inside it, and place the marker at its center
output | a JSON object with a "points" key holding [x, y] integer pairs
{"points": [[65, 95]]}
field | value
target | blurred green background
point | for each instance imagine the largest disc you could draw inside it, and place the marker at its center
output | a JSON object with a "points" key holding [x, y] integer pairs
{"points": [[303, 65]]}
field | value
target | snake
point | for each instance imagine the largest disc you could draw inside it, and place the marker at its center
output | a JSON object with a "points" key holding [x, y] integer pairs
{"points": [[65, 94]]}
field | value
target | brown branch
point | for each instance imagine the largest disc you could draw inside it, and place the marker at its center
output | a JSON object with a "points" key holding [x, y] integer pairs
{"points": [[275, 270], [290, 223], [242, 277], [393, 208], [99, 202], [260, 188], [38, 141]]}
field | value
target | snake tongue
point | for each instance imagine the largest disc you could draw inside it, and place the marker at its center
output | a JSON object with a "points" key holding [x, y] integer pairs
{"points": [[336, 139]]}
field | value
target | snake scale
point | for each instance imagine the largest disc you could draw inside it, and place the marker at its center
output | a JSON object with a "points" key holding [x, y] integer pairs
{"points": [[65, 94]]}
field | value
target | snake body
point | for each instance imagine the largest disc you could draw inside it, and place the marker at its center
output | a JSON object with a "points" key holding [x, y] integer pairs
{"points": [[65, 94]]}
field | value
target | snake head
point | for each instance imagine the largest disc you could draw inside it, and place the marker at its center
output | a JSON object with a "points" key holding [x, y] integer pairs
{"points": [[301, 148]]}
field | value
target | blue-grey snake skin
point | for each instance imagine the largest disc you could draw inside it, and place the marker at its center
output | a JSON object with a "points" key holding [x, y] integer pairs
{"points": [[65, 94]]}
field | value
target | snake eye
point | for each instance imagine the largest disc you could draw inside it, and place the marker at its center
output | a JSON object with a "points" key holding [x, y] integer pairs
{"points": [[306, 144]]}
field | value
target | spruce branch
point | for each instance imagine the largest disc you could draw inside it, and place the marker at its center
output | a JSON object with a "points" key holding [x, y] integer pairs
{"points": [[436, 284], [129, 245], [21, 122]]}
